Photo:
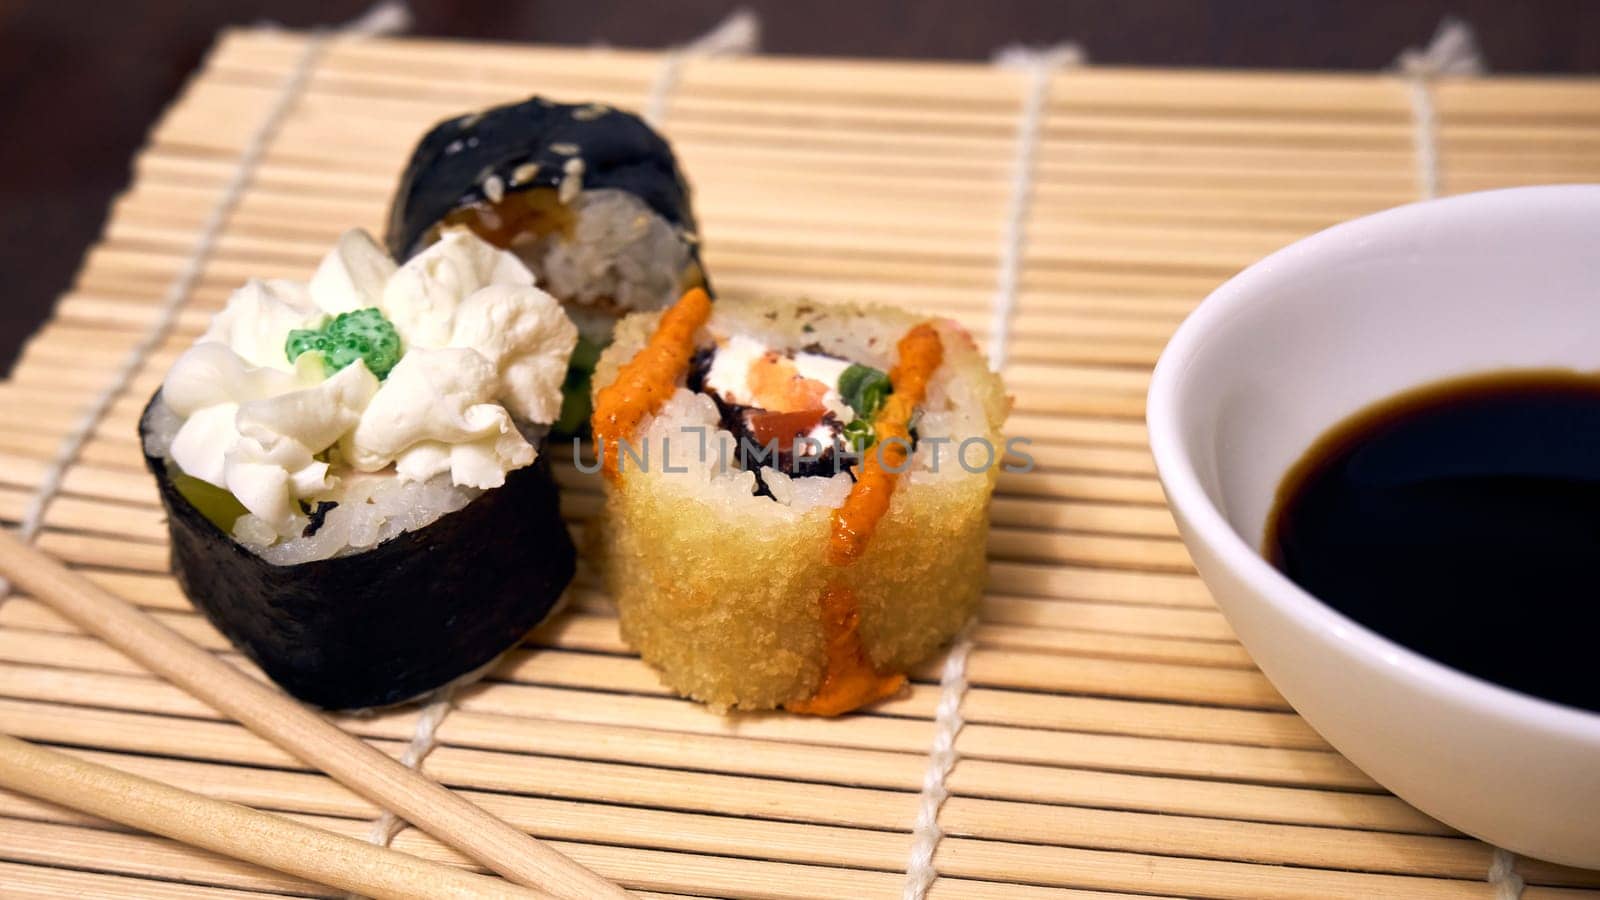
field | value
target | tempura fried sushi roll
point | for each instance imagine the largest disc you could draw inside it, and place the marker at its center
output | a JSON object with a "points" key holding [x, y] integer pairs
{"points": [[590, 198], [787, 519], [351, 472]]}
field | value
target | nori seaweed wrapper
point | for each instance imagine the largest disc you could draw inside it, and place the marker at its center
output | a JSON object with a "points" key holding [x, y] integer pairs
{"points": [[527, 146], [392, 622]]}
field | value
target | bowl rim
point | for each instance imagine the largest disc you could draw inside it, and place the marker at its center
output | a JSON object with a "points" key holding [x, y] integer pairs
{"points": [[1209, 526]]}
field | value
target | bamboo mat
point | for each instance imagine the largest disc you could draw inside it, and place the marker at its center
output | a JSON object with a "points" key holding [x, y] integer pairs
{"points": [[1118, 739]]}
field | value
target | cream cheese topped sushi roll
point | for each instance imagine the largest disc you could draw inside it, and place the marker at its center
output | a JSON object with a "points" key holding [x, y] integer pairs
{"points": [[351, 468], [789, 520]]}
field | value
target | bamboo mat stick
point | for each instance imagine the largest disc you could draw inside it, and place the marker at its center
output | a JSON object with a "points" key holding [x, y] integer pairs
{"points": [[237, 831], [47, 883], [297, 729]]}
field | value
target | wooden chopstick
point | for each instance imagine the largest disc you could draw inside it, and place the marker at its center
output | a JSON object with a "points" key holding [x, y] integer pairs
{"points": [[299, 730], [238, 831]]}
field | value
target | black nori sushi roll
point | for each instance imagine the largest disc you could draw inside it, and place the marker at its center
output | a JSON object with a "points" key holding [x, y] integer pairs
{"points": [[530, 146], [386, 624], [589, 197]]}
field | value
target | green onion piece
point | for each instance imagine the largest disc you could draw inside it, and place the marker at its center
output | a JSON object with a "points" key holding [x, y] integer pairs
{"points": [[860, 434], [865, 389], [364, 334]]}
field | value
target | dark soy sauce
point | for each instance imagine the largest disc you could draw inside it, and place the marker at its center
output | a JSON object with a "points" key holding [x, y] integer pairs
{"points": [[1461, 519]]}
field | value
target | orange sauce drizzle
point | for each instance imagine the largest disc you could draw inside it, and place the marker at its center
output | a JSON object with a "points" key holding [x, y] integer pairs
{"points": [[854, 520], [849, 681], [645, 382]]}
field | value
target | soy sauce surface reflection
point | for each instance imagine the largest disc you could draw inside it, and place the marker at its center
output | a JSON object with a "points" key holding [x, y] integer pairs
{"points": [[1462, 520]]}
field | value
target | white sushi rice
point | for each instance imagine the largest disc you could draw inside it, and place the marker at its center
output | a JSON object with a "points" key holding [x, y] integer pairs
{"points": [[672, 438], [620, 257], [372, 508]]}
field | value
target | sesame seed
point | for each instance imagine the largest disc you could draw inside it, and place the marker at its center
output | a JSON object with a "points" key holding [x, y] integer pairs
{"points": [[572, 183], [524, 173], [591, 112], [564, 149], [453, 147], [494, 188]]}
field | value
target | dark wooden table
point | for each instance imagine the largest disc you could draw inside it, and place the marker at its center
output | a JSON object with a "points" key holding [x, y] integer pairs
{"points": [[83, 80]]}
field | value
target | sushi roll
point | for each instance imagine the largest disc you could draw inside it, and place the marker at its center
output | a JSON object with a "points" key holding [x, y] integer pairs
{"points": [[590, 198], [351, 469], [797, 495]]}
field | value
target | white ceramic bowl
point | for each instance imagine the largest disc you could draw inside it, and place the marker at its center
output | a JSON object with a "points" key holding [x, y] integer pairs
{"points": [[1303, 339]]}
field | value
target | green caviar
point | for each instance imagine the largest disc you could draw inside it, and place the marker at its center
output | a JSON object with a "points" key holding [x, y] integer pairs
{"points": [[364, 334], [865, 389]]}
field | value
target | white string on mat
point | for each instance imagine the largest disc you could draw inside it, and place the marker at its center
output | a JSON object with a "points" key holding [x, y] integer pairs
{"points": [[1452, 51], [423, 739], [942, 756], [1503, 875], [382, 19], [738, 34], [1040, 65]]}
